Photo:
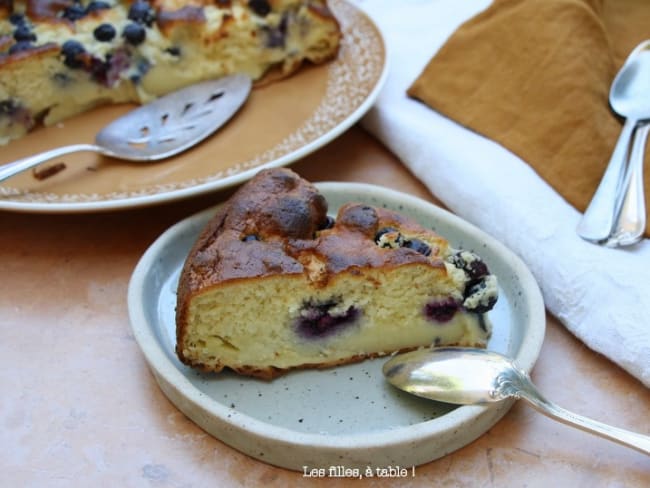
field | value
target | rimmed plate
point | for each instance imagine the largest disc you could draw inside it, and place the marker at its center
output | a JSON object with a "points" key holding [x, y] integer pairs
{"points": [[280, 123], [346, 416]]}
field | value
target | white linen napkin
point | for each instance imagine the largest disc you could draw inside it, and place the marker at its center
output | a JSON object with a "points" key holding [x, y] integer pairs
{"points": [[601, 295]]}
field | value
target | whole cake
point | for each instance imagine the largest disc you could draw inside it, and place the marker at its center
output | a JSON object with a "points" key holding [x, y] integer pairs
{"points": [[62, 57], [274, 283]]}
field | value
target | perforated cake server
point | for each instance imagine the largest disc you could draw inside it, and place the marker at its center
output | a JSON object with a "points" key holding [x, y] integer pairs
{"points": [[167, 126]]}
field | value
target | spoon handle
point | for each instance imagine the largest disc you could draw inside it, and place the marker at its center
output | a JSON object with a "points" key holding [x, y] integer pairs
{"points": [[630, 439], [598, 220], [630, 222], [10, 169]]}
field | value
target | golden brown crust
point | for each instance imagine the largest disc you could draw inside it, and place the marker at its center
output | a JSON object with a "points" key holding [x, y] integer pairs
{"points": [[273, 224], [169, 19], [46, 10], [35, 54]]}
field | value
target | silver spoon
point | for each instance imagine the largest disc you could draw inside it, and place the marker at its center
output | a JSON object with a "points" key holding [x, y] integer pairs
{"points": [[616, 214], [630, 215], [475, 376], [160, 129]]}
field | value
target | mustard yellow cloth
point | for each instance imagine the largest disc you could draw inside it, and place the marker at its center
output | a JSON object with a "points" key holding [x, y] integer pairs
{"points": [[534, 75]]}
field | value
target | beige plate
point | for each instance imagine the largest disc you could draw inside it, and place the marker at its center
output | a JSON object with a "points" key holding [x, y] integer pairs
{"points": [[279, 124], [346, 416]]}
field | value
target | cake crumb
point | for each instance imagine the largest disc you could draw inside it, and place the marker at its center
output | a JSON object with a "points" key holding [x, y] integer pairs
{"points": [[48, 171]]}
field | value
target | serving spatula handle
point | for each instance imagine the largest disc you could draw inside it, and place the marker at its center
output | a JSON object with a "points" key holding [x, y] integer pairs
{"points": [[10, 169]]}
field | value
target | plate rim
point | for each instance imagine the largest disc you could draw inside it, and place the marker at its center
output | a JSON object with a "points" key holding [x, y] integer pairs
{"points": [[175, 384], [199, 189]]}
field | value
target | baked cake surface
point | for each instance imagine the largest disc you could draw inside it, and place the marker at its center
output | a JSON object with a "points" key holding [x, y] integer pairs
{"points": [[274, 283], [63, 57]]}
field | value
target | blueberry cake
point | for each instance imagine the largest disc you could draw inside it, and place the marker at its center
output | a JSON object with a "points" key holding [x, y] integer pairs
{"points": [[274, 283], [62, 57]]}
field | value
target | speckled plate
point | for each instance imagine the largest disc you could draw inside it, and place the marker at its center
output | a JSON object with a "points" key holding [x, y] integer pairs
{"points": [[279, 124], [346, 416]]}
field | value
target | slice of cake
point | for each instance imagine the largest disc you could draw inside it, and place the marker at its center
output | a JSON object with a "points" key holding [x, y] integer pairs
{"points": [[60, 58], [274, 283]]}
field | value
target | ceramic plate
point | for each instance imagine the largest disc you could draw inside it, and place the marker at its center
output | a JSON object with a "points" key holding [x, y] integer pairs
{"points": [[345, 416], [280, 123]]}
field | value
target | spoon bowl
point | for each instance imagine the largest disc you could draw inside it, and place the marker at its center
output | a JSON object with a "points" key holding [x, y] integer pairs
{"points": [[467, 376], [450, 375], [629, 91], [163, 128]]}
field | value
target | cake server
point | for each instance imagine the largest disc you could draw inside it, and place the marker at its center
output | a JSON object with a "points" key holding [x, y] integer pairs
{"points": [[616, 214], [468, 376], [167, 126]]}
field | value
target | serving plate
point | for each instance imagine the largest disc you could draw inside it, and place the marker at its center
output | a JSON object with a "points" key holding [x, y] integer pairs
{"points": [[345, 416], [279, 124]]}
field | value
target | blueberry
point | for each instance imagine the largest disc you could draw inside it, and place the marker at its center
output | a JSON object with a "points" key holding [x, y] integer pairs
{"points": [[317, 320], [388, 237], [23, 33], [16, 19], [20, 46], [260, 7], [328, 223], [382, 231], [173, 50], [284, 23], [72, 54], [99, 69], [470, 263], [482, 301], [74, 12], [142, 65], [104, 32], [142, 13], [96, 6], [418, 245], [276, 36], [8, 107], [134, 34], [250, 237], [477, 269], [441, 311], [109, 70], [482, 323], [61, 79]]}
